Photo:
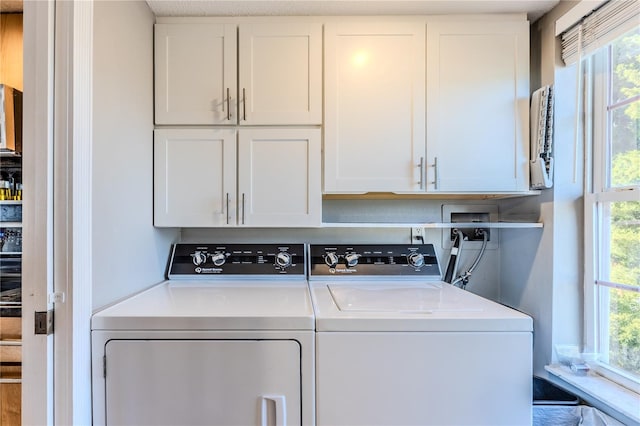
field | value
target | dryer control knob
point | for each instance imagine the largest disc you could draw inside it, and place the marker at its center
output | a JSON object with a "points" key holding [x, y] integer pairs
{"points": [[416, 259], [199, 258], [331, 259], [218, 259], [283, 259], [351, 259]]}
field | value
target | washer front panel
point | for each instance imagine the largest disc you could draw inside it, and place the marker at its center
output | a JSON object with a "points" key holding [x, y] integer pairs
{"points": [[374, 260]]}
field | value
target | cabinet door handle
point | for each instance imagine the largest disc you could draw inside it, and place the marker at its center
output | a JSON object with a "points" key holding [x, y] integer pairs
{"points": [[243, 204], [279, 403], [244, 104], [436, 174], [421, 166], [228, 110], [227, 211]]}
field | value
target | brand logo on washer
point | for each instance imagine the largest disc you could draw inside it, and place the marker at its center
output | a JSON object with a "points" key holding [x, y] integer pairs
{"points": [[200, 270]]}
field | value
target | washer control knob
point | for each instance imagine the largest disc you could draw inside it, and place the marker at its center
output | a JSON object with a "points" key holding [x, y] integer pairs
{"points": [[331, 259], [416, 259], [199, 258], [218, 259], [283, 259], [351, 259]]}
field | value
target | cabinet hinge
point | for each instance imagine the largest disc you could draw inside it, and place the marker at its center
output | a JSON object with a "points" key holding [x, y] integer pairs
{"points": [[43, 322]]}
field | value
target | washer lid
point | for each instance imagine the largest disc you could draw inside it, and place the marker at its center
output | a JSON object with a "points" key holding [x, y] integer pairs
{"points": [[426, 298], [206, 305], [401, 306]]}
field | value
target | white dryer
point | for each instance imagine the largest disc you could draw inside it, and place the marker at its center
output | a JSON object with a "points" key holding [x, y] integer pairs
{"points": [[227, 340], [396, 346]]}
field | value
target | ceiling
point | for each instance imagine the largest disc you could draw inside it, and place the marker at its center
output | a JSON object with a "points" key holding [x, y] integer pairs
{"points": [[533, 8]]}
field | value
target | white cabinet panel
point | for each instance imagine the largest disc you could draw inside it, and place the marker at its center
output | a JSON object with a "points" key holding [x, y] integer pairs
{"points": [[203, 382], [279, 177], [477, 106], [197, 66], [194, 177], [280, 73], [195, 73], [277, 184], [374, 107]]}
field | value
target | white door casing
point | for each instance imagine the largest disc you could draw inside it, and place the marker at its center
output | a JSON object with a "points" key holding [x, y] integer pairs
{"points": [[37, 279], [57, 237]]}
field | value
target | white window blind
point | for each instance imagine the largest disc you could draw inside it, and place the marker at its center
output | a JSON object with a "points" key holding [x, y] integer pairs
{"points": [[599, 28]]}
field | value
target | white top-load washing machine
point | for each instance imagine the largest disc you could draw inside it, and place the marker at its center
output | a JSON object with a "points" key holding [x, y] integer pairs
{"points": [[227, 340], [397, 346]]}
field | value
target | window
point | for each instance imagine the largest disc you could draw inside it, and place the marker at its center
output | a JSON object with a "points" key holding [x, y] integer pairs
{"points": [[612, 207]]}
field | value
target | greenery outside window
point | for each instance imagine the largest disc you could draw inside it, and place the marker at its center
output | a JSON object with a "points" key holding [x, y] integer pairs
{"points": [[612, 210]]}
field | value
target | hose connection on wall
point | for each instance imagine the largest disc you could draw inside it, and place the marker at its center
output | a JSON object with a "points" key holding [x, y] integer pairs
{"points": [[460, 236]]}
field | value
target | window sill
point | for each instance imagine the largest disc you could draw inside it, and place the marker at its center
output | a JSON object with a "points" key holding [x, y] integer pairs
{"points": [[617, 401]]}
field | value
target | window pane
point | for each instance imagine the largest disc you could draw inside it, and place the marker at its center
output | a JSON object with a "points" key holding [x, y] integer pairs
{"points": [[625, 145], [624, 243], [626, 66], [624, 330], [625, 111], [622, 238]]}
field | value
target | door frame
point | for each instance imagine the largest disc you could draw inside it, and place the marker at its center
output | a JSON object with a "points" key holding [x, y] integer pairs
{"points": [[57, 230], [37, 279]]}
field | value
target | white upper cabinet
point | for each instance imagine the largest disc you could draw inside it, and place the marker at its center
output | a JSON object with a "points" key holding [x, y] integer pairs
{"points": [[279, 180], [280, 73], [477, 106], [197, 65], [195, 73], [194, 177], [374, 107]]}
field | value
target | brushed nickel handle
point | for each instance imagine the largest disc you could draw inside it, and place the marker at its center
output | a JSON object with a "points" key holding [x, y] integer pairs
{"points": [[436, 174], [228, 110], [421, 166], [244, 104], [243, 205], [227, 212]]}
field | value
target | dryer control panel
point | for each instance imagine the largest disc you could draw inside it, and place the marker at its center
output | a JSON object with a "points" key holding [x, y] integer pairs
{"points": [[387, 260], [206, 260]]}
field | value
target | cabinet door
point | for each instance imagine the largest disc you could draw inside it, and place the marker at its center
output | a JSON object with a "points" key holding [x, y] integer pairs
{"points": [[279, 177], [374, 107], [194, 177], [280, 72], [195, 73], [202, 382], [477, 106]]}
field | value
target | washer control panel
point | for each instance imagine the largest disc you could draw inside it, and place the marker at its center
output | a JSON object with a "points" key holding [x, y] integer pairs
{"points": [[205, 260], [374, 260]]}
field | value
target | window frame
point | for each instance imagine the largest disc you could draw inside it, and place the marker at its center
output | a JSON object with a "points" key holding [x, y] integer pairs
{"points": [[597, 196]]}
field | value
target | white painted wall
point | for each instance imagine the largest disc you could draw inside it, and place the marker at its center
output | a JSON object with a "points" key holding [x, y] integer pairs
{"points": [[129, 254], [541, 271]]}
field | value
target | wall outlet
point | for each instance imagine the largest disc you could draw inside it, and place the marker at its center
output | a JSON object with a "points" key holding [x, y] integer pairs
{"points": [[417, 235]]}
